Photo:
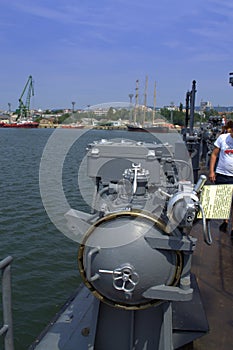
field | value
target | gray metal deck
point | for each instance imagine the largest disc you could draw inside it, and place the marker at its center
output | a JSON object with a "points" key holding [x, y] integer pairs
{"points": [[71, 326], [213, 267]]}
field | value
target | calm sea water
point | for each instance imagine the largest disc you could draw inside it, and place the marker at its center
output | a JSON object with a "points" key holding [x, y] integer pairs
{"points": [[44, 270]]}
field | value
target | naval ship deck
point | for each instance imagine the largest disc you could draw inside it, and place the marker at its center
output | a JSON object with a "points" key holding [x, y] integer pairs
{"points": [[213, 267]]}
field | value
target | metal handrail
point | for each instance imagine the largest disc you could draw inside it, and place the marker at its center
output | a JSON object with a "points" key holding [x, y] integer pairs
{"points": [[7, 329]]}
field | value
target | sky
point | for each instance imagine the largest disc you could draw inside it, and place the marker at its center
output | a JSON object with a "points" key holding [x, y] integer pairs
{"points": [[93, 51]]}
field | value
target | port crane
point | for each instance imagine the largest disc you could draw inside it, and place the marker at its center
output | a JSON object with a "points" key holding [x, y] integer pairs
{"points": [[24, 108]]}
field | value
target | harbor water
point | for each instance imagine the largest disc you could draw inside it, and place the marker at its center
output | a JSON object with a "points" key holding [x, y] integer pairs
{"points": [[44, 269]]}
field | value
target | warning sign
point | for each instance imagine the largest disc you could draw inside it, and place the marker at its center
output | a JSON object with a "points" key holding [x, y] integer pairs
{"points": [[216, 201]]}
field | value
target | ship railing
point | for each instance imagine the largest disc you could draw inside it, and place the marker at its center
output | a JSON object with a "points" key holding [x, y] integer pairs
{"points": [[7, 328]]}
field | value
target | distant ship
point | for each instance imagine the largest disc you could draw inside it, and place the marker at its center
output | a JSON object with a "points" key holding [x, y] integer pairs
{"points": [[22, 124], [167, 128], [72, 126]]}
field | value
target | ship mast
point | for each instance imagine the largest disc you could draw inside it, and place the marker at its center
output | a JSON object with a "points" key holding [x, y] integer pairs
{"points": [[153, 115], [136, 102], [130, 106], [145, 101]]}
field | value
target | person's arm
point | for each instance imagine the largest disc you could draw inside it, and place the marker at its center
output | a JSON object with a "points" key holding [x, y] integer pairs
{"points": [[213, 159]]}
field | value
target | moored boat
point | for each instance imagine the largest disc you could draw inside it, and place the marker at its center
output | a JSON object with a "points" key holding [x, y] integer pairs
{"points": [[72, 126], [166, 128], [159, 129], [23, 124]]}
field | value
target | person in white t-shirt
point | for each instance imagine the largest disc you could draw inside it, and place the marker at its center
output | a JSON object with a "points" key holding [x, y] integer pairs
{"points": [[222, 155]]}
